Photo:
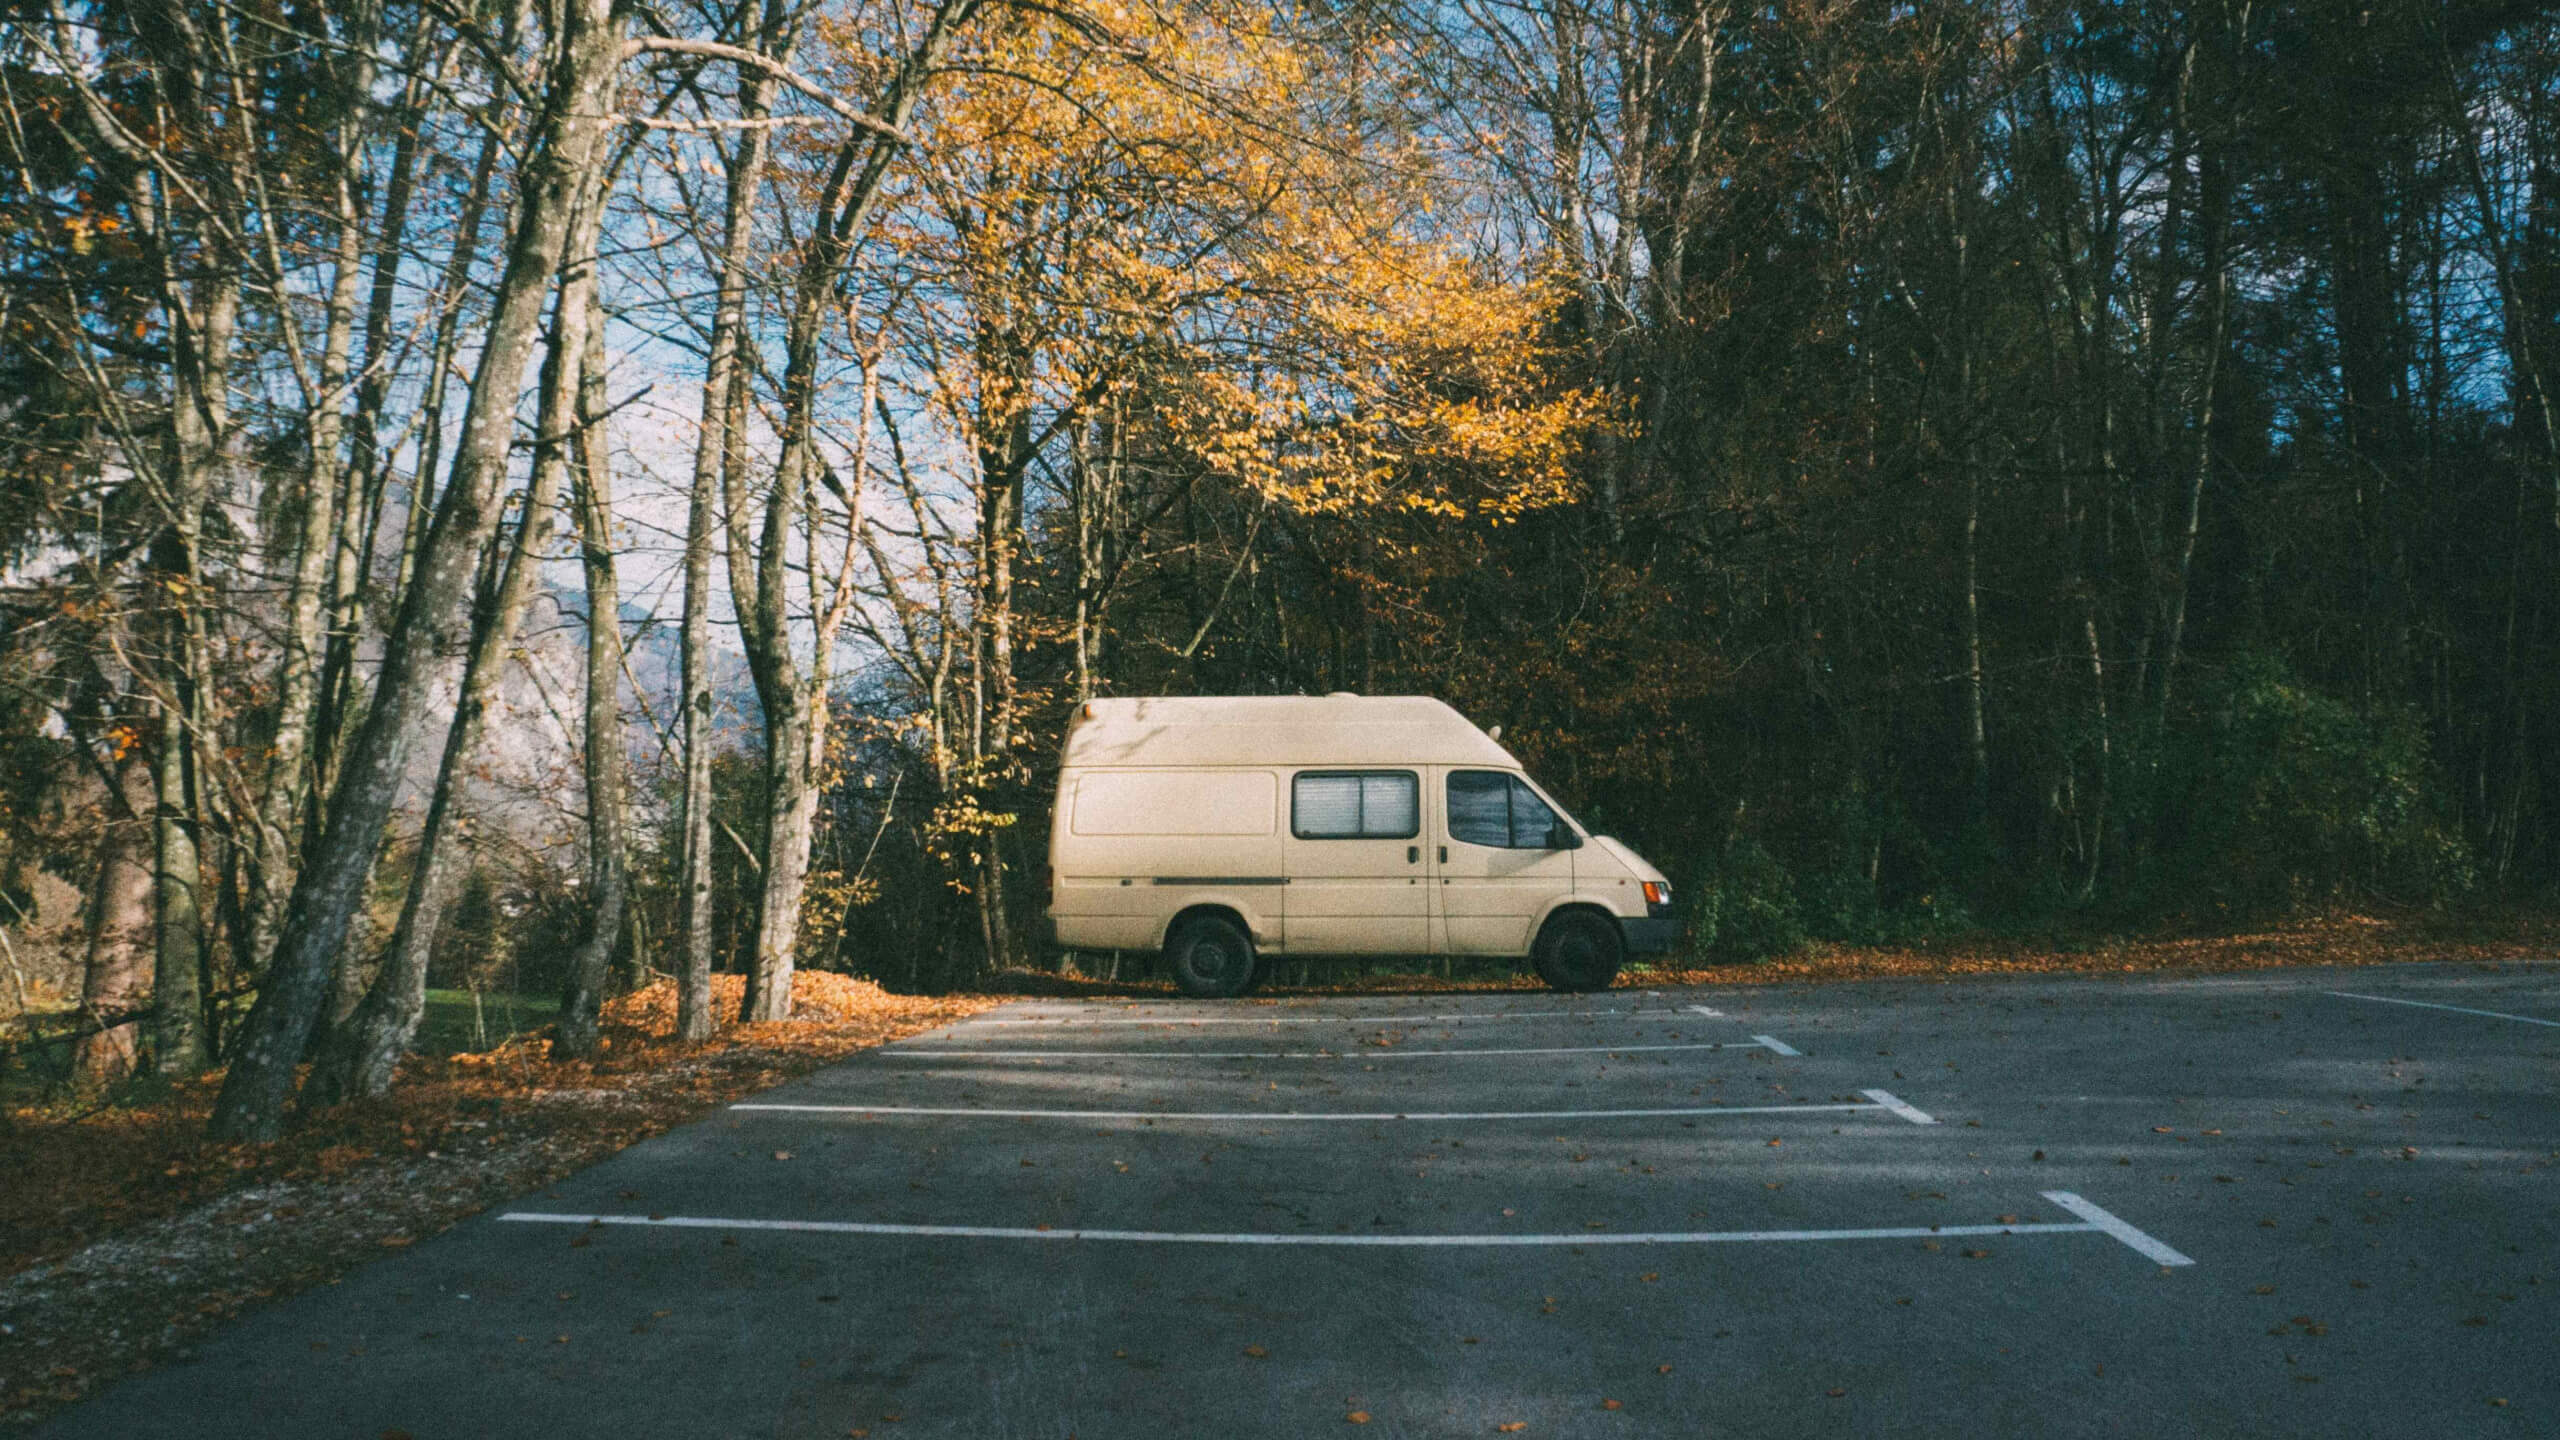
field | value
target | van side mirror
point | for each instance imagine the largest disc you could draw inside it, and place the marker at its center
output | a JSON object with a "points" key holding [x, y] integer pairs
{"points": [[1560, 836]]}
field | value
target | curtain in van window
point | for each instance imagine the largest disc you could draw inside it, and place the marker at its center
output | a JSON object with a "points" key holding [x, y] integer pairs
{"points": [[1350, 807], [1390, 805], [1326, 806]]}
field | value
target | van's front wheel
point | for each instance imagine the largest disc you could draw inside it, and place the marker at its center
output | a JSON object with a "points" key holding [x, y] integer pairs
{"points": [[1211, 957], [1578, 951]]}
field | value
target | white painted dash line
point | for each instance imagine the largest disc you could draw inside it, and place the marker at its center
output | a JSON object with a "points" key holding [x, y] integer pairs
{"points": [[1708, 1011], [2103, 1220], [1271, 1116], [1899, 1106], [1186, 1237], [1070, 1021], [1374, 1053], [1776, 1046], [2457, 1009]]}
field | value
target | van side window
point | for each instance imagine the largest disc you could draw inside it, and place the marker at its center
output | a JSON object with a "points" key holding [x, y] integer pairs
{"points": [[1355, 805], [1489, 808], [1480, 808], [1531, 820]]}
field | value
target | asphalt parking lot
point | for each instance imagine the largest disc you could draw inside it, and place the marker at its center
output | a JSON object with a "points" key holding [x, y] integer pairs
{"points": [[2298, 1202]]}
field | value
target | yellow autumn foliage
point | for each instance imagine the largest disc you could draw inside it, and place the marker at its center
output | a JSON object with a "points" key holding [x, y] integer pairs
{"points": [[1180, 212]]}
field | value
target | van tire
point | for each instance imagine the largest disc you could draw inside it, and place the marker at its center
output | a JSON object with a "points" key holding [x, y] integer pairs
{"points": [[1211, 957], [1578, 951]]}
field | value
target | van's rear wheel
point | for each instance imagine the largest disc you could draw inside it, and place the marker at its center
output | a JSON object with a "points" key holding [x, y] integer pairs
{"points": [[1211, 957], [1578, 951]]}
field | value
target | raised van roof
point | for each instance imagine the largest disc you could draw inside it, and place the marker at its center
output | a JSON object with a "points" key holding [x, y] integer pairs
{"points": [[1278, 730]]}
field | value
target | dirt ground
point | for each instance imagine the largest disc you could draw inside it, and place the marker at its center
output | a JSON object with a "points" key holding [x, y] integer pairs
{"points": [[125, 1236]]}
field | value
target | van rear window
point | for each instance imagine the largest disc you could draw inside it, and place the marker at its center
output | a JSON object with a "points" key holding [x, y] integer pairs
{"points": [[1355, 805], [1176, 802]]}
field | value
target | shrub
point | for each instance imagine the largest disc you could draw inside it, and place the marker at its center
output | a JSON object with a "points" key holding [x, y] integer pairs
{"points": [[1747, 907], [2279, 797]]}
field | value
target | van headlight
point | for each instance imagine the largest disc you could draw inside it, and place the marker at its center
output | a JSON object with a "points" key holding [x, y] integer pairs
{"points": [[1657, 898]]}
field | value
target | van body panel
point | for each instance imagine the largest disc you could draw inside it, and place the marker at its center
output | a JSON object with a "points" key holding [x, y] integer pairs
{"points": [[1131, 848]]}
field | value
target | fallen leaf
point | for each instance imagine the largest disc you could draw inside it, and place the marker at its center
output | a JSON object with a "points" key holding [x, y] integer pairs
{"points": [[781, 1154], [1511, 1427], [1661, 1369], [1977, 1254], [395, 1242], [1257, 1352], [1613, 1405], [1836, 1391], [1650, 1276], [1358, 1417]]}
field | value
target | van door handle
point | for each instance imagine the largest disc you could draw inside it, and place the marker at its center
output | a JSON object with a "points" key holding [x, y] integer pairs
{"points": [[1413, 854], [1444, 854]]}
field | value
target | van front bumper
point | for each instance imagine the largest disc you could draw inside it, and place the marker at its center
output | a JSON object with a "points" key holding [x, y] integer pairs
{"points": [[1652, 935]]}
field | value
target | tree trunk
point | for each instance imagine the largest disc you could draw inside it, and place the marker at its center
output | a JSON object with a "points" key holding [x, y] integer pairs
{"points": [[364, 1060], [116, 978], [558, 178], [199, 425], [793, 696], [718, 437], [607, 873]]}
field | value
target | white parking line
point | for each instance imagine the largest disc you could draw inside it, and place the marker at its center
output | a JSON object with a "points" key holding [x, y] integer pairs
{"points": [[1707, 1011], [2141, 1243], [1070, 1020], [1269, 1116], [1898, 1106], [893, 1052], [1777, 1046], [2108, 1225], [2431, 1005]]}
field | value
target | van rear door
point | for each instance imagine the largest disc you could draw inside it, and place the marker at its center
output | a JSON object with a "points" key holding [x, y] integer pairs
{"points": [[1357, 864]]}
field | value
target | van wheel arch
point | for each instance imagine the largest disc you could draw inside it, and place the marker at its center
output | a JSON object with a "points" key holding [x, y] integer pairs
{"points": [[1200, 934], [1579, 947]]}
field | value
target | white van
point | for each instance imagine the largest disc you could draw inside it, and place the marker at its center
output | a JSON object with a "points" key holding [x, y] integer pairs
{"points": [[1222, 829]]}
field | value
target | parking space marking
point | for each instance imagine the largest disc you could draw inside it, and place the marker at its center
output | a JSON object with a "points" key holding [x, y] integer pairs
{"points": [[1071, 1020], [1708, 1011], [1776, 1046], [2106, 1224], [1899, 1106], [2431, 1005], [1756, 1042], [1269, 1116]]}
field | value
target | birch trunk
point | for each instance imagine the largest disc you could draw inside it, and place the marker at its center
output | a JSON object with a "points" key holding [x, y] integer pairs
{"points": [[608, 875], [364, 1054], [117, 973]]}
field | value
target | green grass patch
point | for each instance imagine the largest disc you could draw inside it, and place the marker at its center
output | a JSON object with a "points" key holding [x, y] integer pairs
{"points": [[456, 1021]]}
